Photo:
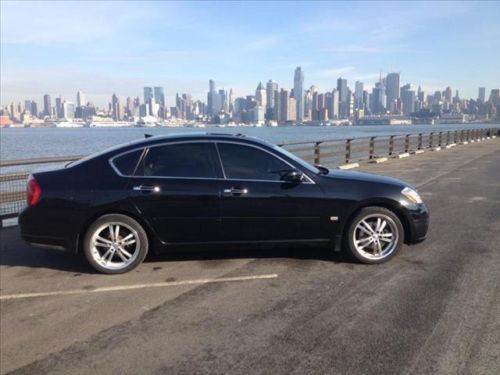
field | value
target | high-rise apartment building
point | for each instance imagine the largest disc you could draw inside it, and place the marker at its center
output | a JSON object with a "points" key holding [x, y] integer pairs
{"points": [[298, 90], [261, 96]]}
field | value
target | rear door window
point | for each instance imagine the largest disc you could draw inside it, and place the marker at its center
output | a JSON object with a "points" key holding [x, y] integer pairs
{"points": [[188, 160]]}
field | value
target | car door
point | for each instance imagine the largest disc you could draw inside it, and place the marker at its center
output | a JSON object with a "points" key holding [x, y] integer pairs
{"points": [[257, 205], [176, 188]]}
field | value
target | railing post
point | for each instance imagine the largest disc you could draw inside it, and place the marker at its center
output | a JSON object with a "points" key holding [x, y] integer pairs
{"points": [[419, 144], [372, 148], [317, 156], [447, 138], [440, 138], [347, 150], [391, 145], [431, 140], [468, 135], [407, 143], [455, 136]]}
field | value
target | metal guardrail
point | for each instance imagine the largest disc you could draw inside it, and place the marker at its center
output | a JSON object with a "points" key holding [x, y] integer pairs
{"points": [[327, 152]]}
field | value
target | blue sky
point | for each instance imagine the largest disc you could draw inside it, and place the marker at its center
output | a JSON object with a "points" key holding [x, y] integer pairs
{"points": [[106, 47]]}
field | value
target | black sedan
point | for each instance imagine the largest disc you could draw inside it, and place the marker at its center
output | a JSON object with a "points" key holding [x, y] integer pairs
{"points": [[171, 192]]}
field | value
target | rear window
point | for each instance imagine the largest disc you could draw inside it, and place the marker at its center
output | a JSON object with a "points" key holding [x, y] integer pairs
{"points": [[127, 163]]}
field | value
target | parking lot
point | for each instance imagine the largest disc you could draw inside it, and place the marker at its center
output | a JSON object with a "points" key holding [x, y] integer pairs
{"points": [[434, 308]]}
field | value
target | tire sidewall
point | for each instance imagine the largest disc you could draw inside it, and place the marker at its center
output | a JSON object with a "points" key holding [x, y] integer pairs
{"points": [[361, 215], [116, 218]]}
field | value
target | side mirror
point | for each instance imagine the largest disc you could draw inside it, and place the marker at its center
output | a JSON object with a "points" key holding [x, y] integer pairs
{"points": [[293, 175]]}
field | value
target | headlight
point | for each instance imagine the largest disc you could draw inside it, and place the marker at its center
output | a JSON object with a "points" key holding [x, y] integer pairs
{"points": [[412, 195]]}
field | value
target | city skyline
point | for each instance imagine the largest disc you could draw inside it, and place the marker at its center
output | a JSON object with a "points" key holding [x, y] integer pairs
{"points": [[179, 46]]}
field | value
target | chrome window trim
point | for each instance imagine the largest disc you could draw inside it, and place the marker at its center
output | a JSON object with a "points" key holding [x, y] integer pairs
{"points": [[146, 148]]}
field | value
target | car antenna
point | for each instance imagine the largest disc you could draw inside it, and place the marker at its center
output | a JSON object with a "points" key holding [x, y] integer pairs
{"points": [[148, 135]]}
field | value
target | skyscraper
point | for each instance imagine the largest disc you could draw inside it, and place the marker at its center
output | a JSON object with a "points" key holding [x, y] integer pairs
{"points": [[115, 107], [80, 99], [47, 107], [159, 96], [379, 99], [482, 94], [408, 99], [148, 95], [261, 96], [271, 87], [298, 89], [358, 95], [59, 110], [342, 89], [392, 91], [211, 98]]}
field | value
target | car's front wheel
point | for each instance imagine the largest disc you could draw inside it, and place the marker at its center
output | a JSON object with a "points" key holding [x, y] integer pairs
{"points": [[375, 235], [115, 244]]}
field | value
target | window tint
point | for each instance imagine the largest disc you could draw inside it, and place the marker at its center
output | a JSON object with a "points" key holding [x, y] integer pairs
{"points": [[245, 162], [127, 163], [180, 160]]}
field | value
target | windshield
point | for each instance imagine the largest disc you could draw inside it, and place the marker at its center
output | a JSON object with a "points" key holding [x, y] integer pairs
{"points": [[298, 160]]}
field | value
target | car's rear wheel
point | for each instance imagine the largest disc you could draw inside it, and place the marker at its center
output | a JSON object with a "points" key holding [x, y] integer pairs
{"points": [[375, 235], [115, 244]]}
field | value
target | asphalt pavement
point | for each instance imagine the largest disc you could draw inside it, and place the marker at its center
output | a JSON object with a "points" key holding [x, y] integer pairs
{"points": [[433, 309]]}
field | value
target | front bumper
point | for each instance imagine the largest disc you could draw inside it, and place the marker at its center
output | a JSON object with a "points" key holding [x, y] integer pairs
{"points": [[418, 220]]}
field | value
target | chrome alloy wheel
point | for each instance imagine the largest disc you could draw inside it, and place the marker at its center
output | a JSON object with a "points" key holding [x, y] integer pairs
{"points": [[115, 245], [375, 236]]}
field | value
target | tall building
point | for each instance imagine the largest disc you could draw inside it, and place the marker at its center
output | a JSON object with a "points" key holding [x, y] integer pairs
{"points": [[271, 87], [47, 107], [358, 95], [284, 94], [68, 110], [408, 99], [342, 89], [34, 108], [392, 91], [298, 89], [379, 100], [80, 99], [212, 98], [159, 96], [59, 110], [482, 94], [148, 96], [27, 106], [261, 95], [115, 107]]}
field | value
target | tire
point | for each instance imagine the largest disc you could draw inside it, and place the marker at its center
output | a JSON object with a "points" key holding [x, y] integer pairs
{"points": [[372, 241], [113, 251]]}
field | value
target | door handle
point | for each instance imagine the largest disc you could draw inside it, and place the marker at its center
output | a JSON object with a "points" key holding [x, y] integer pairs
{"points": [[235, 191], [147, 188]]}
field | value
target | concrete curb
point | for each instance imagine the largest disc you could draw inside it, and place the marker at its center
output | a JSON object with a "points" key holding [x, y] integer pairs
{"points": [[416, 152], [349, 166], [464, 143], [378, 160], [436, 149], [403, 155]]}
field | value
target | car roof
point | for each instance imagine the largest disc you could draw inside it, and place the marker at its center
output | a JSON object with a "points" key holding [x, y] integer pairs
{"points": [[154, 139]]}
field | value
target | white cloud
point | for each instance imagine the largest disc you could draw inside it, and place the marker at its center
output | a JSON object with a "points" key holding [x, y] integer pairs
{"points": [[336, 72]]}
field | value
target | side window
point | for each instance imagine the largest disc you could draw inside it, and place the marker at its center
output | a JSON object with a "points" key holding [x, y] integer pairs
{"points": [[126, 164], [180, 160], [250, 163]]}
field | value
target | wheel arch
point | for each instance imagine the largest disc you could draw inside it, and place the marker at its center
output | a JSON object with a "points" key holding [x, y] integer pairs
{"points": [[388, 204], [96, 215]]}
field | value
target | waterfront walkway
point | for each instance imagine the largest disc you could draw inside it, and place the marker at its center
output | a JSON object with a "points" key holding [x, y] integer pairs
{"points": [[434, 308]]}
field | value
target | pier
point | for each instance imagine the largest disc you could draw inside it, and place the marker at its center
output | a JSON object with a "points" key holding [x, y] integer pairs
{"points": [[434, 308]]}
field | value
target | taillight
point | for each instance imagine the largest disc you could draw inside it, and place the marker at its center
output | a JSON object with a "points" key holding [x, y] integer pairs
{"points": [[33, 191]]}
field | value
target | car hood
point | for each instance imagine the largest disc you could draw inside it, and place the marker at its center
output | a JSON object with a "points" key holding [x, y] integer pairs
{"points": [[364, 177]]}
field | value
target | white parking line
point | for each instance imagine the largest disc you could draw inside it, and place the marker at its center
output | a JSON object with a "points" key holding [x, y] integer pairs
{"points": [[137, 286]]}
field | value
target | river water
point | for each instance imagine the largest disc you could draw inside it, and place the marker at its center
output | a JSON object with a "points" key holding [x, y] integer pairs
{"points": [[24, 143]]}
